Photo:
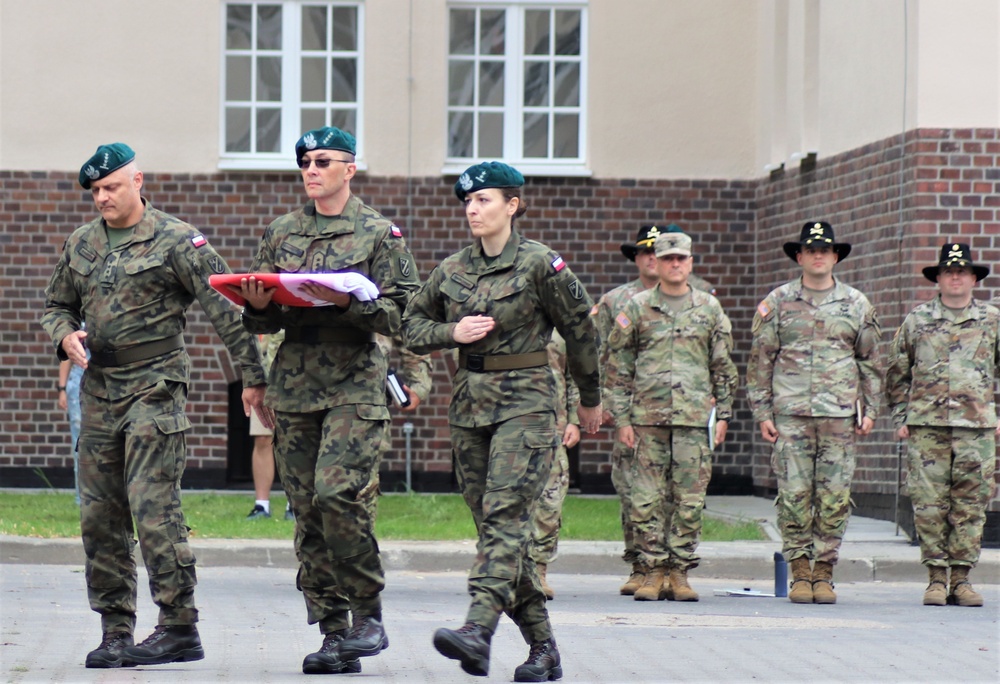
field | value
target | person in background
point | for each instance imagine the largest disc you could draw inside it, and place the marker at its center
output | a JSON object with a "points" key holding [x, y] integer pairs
{"points": [[941, 383], [498, 300], [262, 457], [814, 381], [547, 519]]}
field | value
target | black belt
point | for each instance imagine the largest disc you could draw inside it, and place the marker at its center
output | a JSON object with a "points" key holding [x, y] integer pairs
{"points": [[316, 334], [481, 363], [109, 358]]}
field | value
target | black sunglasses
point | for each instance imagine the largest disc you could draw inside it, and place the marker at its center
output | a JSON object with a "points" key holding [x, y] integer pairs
{"points": [[321, 163]]}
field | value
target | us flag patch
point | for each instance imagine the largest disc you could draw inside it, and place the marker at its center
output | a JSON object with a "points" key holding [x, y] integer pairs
{"points": [[763, 309], [558, 264], [199, 240], [396, 232], [623, 320]]}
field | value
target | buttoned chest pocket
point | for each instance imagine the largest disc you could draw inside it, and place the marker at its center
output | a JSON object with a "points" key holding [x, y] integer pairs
{"points": [[81, 265], [795, 322], [973, 346], [513, 304], [456, 297], [354, 261], [291, 255], [147, 276]]}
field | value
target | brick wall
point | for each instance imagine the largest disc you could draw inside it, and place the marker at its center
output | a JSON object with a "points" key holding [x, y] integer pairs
{"points": [[950, 187]]}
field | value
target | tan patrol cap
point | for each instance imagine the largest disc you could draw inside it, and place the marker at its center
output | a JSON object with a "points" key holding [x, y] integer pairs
{"points": [[672, 243]]}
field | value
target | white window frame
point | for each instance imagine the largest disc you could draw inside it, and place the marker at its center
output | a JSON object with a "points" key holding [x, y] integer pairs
{"points": [[291, 86], [514, 109]]}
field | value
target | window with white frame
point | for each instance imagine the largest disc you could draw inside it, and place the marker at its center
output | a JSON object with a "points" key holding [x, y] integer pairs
{"points": [[288, 66], [517, 83]]}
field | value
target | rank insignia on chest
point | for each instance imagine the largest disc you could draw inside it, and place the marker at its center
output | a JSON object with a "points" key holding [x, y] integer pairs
{"points": [[558, 264], [623, 321], [199, 241]]}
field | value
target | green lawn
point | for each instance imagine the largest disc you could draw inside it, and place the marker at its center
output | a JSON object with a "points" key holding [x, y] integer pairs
{"points": [[400, 517]]}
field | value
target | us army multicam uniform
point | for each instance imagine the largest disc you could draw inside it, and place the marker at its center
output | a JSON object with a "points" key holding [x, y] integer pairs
{"points": [[665, 369], [940, 383], [132, 447], [547, 518], [621, 455], [503, 422], [809, 365], [327, 387]]}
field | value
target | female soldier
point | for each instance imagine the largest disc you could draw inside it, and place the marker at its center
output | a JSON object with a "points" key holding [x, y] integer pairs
{"points": [[497, 301]]}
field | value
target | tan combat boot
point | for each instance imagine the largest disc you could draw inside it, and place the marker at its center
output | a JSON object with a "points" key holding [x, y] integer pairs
{"points": [[962, 593], [936, 593], [823, 583], [546, 589], [634, 581], [678, 588], [802, 588], [653, 589]]}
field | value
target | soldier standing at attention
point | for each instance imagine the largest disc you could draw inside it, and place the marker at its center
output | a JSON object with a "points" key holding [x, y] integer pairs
{"points": [[940, 384], [641, 253], [814, 383], [497, 301], [670, 365], [328, 392], [131, 275], [547, 520]]}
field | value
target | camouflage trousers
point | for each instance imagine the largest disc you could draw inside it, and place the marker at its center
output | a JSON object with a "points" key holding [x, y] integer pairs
{"points": [[813, 460], [621, 480], [501, 469], [547, 519], [949, 480], [670, 474], [132, 455], [326, 460]]}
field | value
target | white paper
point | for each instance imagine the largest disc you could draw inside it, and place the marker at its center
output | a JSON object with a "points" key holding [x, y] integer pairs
{"points": [[354, 284], [711, 429]]}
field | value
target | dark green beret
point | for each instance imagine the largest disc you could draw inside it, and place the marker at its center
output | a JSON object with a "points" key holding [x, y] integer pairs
{"points": [[487, 175], [327, 138], [108, 158]]}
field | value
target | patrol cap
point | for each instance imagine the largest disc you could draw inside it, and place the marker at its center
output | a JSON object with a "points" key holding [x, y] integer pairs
{"points": [[819, 233], [107, 159], [326, 138], [955, 254], [667, 244], [484, 175]]}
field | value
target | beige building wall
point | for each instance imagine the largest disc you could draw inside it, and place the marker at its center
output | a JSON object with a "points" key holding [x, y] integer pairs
{"points": [[677, 89]]}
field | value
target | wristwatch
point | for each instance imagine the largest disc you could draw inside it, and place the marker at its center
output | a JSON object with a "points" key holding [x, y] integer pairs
{"points": [[61, 388]]}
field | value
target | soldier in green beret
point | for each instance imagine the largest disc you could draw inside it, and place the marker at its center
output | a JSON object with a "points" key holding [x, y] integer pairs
{"points": [[814, 380], [328, 391], [131, 274], [941, 384], [498, 301]]}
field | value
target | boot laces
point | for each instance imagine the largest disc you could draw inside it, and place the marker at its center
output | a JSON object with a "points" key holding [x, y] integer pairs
{"points": [[468, 628], [159, 632], [358, 627], [539, 650], [113, 640], [330, 642]]}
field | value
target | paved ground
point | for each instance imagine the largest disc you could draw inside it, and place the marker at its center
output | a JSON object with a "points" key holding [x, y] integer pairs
{"points": [[253, 619]]}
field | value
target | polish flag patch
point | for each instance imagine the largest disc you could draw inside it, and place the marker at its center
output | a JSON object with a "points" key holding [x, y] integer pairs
{"points": [[558, 264], [199, 241], [396, 232]]}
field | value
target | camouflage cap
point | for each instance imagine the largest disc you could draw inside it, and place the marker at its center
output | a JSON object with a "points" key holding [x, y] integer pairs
{"points": [[326, 138], [492, 174], [672, 243], [817, 232], [955, 254], [107, 159]]}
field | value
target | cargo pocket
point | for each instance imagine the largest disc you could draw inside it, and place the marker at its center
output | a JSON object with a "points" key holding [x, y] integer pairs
{"points": [[171, 427]]}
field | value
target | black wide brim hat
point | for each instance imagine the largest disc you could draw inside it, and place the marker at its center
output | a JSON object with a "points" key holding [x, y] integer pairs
{"points": [[818, 232], [955, 254], [645, 238]]}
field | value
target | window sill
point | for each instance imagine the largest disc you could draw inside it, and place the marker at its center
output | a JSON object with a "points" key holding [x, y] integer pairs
{"points": [[264, 164], [530, 169]]}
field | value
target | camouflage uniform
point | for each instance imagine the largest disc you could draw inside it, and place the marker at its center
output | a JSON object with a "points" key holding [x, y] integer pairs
{"points": [[940, 383], [503, 422], [327, 388], [665, 369], [132, 447], [547, 519], [621, 456], [809, 365]]}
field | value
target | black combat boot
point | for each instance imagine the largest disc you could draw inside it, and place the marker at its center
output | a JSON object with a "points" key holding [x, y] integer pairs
{"points": [[366, 638], [109, 653], [167, 644], [328, 659], [543, 663], [470, 645]]}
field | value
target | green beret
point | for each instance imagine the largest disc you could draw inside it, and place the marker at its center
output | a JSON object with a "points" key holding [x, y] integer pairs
{"points": [[107, 159], [327, 138], [487, 175]]}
